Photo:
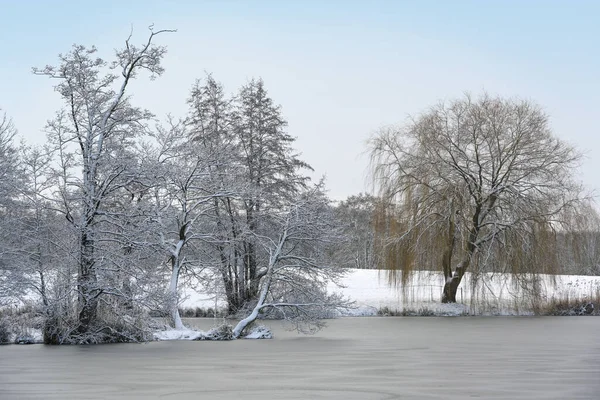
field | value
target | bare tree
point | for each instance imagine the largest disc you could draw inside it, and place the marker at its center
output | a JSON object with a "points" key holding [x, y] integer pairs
{"points": [[356, 216], [467, 178], [96, 132]]}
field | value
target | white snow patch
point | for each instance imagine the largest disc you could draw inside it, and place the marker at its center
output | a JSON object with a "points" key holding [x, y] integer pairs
{"points": [[259, 332], [178, 334]]}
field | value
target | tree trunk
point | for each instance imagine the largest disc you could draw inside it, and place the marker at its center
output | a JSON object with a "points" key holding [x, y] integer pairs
{"points": [[452, 283], [251, 283], [87, 284], [450, 289], [453, 279], [264, 288], [175, 270], [239, 328], [232, 265], [43, 289], [173, 303], [233, 300]]}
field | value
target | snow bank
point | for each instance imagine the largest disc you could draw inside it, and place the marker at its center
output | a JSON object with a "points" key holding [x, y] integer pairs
{"points": [[371, 293]]}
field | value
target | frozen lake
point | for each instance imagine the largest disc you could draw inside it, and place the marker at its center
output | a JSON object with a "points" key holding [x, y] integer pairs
{"points": [[353, 358]]}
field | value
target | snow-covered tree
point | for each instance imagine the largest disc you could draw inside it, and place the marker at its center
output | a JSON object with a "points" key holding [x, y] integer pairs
{"points": [[294, 280], [94, 136], [271, 168], [250, 130], [210, 125], [260, 176]]}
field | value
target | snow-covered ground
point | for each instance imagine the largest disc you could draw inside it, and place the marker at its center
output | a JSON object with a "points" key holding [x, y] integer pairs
{"points": [[498, 296]]}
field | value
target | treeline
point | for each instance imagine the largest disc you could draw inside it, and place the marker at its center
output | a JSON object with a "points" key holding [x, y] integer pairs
{"points": [[370, 232]]}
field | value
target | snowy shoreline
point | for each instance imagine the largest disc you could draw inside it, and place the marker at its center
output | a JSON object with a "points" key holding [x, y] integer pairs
{"points": [[374, 297]]}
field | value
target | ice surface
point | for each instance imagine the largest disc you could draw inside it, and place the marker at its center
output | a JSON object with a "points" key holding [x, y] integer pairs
{"points": [[353, 358]]}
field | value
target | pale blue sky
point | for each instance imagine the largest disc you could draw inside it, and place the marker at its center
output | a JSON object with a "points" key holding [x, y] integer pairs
{"points": [[340, 69]]}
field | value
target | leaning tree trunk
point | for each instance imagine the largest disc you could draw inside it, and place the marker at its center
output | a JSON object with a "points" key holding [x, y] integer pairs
{"points": [[243, 324], [264, 289]]}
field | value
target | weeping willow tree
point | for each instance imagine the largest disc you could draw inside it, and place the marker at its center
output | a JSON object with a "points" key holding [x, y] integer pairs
{"points": [[473, 185]]}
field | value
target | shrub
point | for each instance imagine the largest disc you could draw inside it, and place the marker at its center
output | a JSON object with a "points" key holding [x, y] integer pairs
{"points": [[62, 329], [567, 307]]}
